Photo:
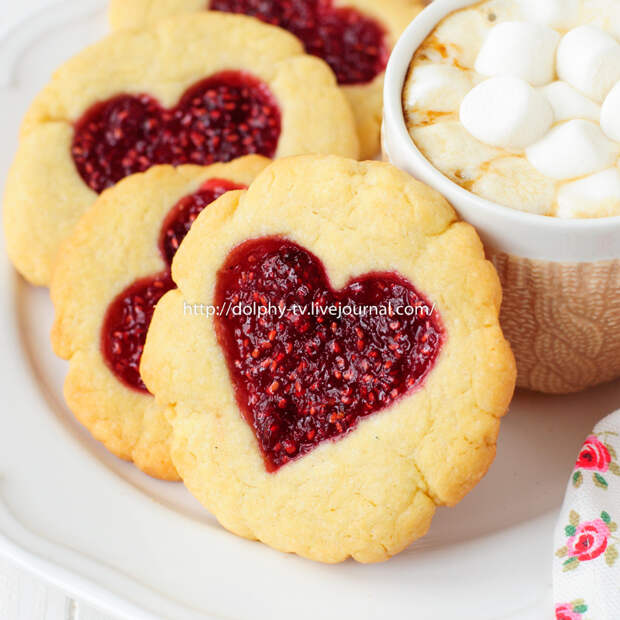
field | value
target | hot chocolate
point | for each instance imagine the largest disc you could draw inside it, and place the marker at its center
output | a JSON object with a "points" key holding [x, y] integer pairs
{"points": [[518, 101]]}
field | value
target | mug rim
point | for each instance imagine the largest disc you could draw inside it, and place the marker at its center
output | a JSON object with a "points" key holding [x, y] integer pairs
{"points": [[395, 76]]}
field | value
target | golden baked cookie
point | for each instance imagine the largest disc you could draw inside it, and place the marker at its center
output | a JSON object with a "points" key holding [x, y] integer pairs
{"points": [[334, 431], [355, 37], [195, 89], [110, 273]]}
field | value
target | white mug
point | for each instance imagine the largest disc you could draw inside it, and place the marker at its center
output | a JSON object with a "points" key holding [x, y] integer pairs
{"points": [[561, 277]]}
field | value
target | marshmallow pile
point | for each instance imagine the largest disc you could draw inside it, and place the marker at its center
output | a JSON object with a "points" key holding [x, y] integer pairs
{"points": [[556, 98]]}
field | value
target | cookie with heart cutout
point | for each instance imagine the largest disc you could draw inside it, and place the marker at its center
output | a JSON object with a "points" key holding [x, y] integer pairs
{"points": [[110, 274], [196, 89], [354, 37], [332, 362]]}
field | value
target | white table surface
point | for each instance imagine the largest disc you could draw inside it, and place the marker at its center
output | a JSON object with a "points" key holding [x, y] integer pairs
{"points": [[23, 597]]}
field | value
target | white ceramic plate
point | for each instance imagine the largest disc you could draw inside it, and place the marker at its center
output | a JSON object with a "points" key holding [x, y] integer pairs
{"points": [[141, 548]]}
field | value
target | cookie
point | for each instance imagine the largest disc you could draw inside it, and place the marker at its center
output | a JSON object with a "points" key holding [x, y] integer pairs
{"points": [[354, 37], [110, 274], [331, 432], [196, 89]]}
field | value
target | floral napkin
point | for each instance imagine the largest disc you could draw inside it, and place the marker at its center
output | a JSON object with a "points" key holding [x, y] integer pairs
{"points": [[586, 571]]}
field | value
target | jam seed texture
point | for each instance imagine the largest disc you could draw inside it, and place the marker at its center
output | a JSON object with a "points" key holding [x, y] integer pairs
{"points": [[353, 45], [302, 378], [226, 116], [128, 317]]}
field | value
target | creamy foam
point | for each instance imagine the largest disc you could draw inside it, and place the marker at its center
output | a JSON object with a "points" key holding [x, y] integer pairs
{"points": [[518, 101]]}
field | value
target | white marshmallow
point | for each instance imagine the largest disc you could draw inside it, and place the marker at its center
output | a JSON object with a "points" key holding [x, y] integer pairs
{"points": [[506, 112], [589, 59], [563, 14], [460, 37], [568, 103], [453, 150], [595, 196], [572, 150], [514, 182], [610, 114], [522, 49], [437, 87], [602, 13]]}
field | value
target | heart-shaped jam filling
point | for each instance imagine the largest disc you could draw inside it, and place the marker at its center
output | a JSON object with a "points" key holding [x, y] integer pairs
{"points": [[308, 362], [128, 317], [353, 45], [228, 115], [126, 323]]}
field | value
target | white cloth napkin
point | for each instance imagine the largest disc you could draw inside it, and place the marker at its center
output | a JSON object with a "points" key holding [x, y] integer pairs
{"points": [[586, 566]]}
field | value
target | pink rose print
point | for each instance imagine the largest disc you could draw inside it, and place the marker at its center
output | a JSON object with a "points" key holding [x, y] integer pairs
{"points": [[598, 457], [565, 612], [570, 611], [589, 541], [594, 455]]}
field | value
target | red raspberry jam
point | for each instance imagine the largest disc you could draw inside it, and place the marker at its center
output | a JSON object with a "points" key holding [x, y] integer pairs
{"points": [[353, 45], [182, 215], [126, 323], [228, 115], [302, 379], [128, 317]]}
